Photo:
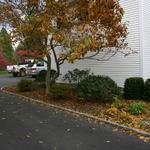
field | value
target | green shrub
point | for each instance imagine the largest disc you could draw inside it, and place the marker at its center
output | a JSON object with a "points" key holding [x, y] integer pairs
{"points": [[76, 75], [147, 90], [26, 85], [60, 91], [97, 88], [116, 102], [41, 76], [134, 88], [136, 108]]}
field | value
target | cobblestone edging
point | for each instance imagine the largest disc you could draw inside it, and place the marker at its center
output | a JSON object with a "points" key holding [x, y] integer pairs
{"points": [[78, 113]]}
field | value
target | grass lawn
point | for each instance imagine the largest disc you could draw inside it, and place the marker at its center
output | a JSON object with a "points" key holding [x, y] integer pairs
{"points": [[3, 73]]}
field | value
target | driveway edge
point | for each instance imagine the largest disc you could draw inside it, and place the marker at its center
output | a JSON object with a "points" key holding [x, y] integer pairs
{"points": [[25, 98]]}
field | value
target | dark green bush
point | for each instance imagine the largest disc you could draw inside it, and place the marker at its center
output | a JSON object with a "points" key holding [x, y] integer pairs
{"points": [[26, 85], [60, 91], [134, 88], [41, 76], [97, 88], [147, 90], [136, 108], [76, 75]]}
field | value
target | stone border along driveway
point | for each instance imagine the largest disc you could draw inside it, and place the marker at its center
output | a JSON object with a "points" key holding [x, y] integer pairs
{"points": [[78, 113]]}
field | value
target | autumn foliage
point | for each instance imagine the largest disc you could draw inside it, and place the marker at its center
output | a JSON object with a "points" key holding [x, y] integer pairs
{"points": [[28, 53], [81, 25], [81, 29]]}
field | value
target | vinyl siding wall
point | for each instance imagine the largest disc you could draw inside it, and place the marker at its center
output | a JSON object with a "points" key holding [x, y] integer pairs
{"points": [[146, 37], [119, 67]]}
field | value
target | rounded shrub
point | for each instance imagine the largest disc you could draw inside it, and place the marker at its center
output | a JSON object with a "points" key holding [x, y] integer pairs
{"points": [[26, 85], [60, 91], [97, 88], [76, 75], [41, 76], [134, 88], [147, 90]]}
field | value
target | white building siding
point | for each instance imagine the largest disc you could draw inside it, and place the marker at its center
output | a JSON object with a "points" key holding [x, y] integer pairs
{"points": [[146, 37], [119, 67]]}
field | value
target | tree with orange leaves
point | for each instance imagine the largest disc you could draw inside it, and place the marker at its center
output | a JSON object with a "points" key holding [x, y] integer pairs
{"points": [[81, 28]]}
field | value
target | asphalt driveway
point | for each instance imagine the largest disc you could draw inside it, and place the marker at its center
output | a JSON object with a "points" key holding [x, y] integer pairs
{"points": [[10, 80], [26, 126]]}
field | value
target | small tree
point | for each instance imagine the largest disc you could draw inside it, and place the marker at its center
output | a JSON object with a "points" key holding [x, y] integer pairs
{"points": [[81, 28]]}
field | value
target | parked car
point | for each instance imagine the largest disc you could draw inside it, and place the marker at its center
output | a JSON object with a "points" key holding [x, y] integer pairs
{"points": [[20, 69], [9, 68], [34, 68]]}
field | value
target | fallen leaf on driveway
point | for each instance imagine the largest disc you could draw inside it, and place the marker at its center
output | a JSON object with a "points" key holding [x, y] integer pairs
{"points": [[1, 134], [3, 118], [28, 136], [68, 130], [41, 142]]}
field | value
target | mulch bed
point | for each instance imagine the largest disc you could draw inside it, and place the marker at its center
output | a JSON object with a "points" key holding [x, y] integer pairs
{"points": [[101, 110]]}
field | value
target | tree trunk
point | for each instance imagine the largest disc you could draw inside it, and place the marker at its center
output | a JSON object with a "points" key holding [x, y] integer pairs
{"points": [[48, 80], [56, 61]]}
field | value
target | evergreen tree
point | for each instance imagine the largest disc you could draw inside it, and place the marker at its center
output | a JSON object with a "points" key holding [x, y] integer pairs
{"points": [[23, 45], [6, 44], [3, 61]]}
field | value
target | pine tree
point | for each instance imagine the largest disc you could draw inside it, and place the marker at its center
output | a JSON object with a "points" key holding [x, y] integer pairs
{"points": [[6, 44], [3, 60]]}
